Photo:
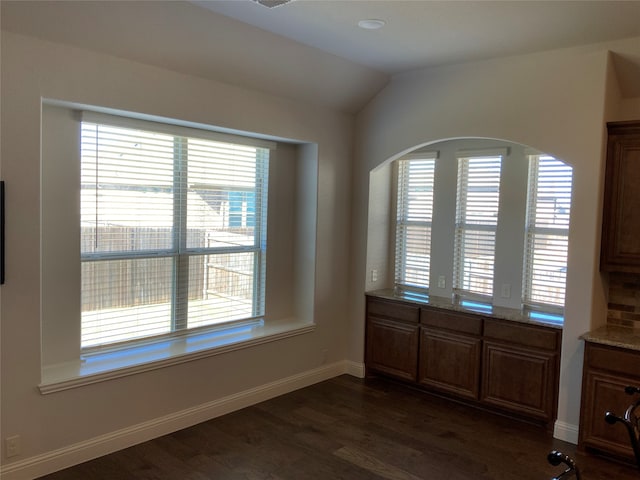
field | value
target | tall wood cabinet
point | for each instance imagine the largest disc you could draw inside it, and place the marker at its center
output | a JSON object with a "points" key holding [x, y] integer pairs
{"points": [[608, 369], [492, 363], [621, 215]]}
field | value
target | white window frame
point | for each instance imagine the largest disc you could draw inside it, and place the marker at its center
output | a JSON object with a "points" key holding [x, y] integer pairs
{"points": [[179, 252], [462, 272], [546, 271], [418, 216]]}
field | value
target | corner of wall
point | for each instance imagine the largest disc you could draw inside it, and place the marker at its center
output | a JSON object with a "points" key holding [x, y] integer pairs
{"points": [[566, 432]]}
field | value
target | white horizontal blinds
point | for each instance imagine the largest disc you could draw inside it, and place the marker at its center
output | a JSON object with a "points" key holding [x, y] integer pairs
{"points": [[226, 221], [476, 222], [126, 214], [125, 300], [413, 221], [547, 233], [224, 193], [173, 232], [126, 184]]}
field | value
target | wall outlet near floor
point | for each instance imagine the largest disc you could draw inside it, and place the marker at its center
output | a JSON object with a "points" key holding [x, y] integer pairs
{"points": [[506, 290], [12, 446], [442, 281], [374, 275]]}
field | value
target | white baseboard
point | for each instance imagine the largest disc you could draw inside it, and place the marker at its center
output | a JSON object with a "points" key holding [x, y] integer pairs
{"points": [[566, 431], [53, 461], [355, 369]]}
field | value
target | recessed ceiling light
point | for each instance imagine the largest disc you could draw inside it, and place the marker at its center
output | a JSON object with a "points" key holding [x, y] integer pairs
{"points": [[272, 3], [371, 24]]}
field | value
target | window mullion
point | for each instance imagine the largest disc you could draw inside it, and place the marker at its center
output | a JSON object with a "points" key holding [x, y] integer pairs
{"points": [[260, 233], [181, 262]]}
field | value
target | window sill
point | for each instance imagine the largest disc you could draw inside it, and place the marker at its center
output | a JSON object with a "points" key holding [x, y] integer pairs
{"points": [[104, 366]]}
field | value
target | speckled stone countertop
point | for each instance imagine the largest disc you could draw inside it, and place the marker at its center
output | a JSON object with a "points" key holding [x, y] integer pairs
{"points": [[615, 336], [486, 310]]}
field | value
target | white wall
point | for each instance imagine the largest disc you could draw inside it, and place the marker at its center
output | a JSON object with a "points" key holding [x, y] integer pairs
{"points": [[63, 422], [623, 80], [553, 102]]}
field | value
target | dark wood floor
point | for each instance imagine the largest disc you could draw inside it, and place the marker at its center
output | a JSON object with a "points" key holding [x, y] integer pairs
{"points": [[346, 428]]}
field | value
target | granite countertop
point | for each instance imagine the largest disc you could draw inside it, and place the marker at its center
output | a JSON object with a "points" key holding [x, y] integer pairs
{"points": [[615, 336], [487, 310]]}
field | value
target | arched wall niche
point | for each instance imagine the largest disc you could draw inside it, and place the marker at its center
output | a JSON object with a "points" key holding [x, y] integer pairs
{"points": [[510, 242]]}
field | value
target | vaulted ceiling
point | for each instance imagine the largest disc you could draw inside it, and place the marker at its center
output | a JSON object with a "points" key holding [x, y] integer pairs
{"points": [[313, 50], [428, 33]]}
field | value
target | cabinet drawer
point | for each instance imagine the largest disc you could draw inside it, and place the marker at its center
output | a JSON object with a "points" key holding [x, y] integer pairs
{"points": [[526, 335], [616, 360], [393, 310], [457, 322]]}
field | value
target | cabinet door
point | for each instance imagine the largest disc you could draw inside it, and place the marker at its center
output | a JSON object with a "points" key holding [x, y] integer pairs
{"points": [[450, 363], [621, 213], [392, 348], [520, 380], [604, 392]]}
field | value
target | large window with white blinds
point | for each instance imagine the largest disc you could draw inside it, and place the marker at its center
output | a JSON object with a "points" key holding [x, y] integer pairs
{"points": [[547, 232], [413, 220], [173, 230], [477, 206]]}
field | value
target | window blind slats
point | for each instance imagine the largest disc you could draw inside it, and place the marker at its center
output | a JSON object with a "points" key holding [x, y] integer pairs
{"points": [[476, 222], [547, 233], [124, 300], [171, 127], [173, 232], [413, 221]]}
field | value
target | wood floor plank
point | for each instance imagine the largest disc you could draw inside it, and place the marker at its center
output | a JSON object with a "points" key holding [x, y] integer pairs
{"points": [[352, 429], [371, 463]]}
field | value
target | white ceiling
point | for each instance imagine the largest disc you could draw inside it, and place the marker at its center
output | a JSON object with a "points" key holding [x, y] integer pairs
{"points": [[421, 33], [312, 50]]}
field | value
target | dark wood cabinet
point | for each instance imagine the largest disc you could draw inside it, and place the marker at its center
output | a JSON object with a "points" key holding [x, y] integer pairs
{"points": [[520, 368], [450, 363], [607, 371], [621, 215], [450, 349], [499, 364], [392, 339], [520, 380]]}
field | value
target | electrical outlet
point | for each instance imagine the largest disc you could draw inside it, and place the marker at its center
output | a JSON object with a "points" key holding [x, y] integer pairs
{"points": [[12, 445], [374, 275], [442, 281], [506, 290]]}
